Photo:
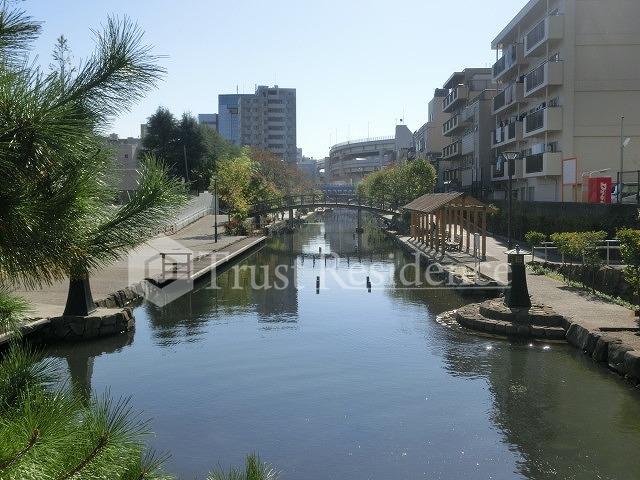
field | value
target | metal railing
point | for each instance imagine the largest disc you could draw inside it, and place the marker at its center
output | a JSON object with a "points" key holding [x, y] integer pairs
{"points": [[606, 246], [317, 200], [363, 140], [537, 34]]}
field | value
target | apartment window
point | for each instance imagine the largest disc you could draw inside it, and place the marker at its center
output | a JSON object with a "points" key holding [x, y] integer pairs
{"points": [[274, 101], [126, 155]]}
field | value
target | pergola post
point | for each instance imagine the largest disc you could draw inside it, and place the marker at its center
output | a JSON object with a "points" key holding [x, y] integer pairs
{"points": [[484, 233], [412, 229]]}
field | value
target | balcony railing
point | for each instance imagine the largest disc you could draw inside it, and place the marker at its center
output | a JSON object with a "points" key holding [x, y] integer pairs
{"points": [[534, 121], [457, 93], [543, 120], [546, 74], [508, 97], [534, 163], [451, 124], [451, 150], [549, 28], [543, 164], [507, 133], [508, 60]]}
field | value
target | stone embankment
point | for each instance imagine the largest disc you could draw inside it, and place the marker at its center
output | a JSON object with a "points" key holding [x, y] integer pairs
{"points": [[620, 351]]}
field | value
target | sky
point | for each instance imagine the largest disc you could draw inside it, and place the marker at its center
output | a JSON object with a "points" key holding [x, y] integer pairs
{"points": [[358, 67]]}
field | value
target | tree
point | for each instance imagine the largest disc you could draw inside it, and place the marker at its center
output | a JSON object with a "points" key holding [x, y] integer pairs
{"points": [[399, 184], [58, 219], [62, 66], [161, 140], [630, 251]]}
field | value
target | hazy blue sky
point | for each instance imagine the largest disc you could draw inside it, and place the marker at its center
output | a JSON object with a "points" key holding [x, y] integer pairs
{"points": [[353, 63]]}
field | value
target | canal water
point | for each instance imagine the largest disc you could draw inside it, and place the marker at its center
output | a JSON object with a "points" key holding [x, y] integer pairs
{"points": [[347, 383]]}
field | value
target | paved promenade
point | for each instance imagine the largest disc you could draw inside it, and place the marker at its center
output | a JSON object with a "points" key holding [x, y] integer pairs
{"points": [[145, 261], [574, 304]]}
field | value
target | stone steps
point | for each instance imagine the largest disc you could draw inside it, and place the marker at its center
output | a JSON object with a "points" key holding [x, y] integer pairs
{"points": [[492, 316]]}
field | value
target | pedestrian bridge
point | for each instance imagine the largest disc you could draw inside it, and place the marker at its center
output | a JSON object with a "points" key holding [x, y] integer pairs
{"points": [[350, 201]]}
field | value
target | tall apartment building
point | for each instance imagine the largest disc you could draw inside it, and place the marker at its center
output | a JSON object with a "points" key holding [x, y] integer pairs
{"points": [[466, 156], [126, 161], [428, 139], [567, 71], [266, 120]]}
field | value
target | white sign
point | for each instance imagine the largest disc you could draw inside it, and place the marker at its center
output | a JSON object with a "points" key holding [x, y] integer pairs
{"points": [[569, 169]]}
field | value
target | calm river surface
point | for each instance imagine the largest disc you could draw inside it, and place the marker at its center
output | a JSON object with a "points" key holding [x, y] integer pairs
{"points": [[347, 384]]}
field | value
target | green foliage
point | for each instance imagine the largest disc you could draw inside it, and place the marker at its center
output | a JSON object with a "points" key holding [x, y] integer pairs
{"points": [[255, 469], [57, 198], [47, 433], [630, 251], [13, 309], [252, 177], [534, 238], [399, 184], [582, 245]]}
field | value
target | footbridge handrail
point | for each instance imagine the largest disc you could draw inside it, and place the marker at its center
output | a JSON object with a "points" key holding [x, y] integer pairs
{"points": [[323, 200]]}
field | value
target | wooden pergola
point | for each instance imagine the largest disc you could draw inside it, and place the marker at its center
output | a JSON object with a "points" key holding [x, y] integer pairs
{"points": [[448, 221]]}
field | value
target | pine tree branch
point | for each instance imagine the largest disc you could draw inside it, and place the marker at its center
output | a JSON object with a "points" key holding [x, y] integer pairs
{"points": [[100, 446], [35, 436]]}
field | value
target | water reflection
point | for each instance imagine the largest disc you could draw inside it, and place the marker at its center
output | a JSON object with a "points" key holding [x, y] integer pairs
{"points": [[348, 383]]}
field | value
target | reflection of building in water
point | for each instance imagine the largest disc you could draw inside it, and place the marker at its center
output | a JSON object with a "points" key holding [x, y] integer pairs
{"points": [[80, 357]]}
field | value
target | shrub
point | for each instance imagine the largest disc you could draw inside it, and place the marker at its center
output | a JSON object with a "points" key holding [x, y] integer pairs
{"points": [[534, 238], [630, 251]]}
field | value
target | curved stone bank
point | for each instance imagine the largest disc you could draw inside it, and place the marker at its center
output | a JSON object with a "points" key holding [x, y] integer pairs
{"points": [[493, 316], [540, 322]]}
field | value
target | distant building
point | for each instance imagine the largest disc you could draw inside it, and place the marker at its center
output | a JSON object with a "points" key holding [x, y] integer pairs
{"points": [[349, 162], [466, 157], [266, 120], [309, 168], [126, 161], [209, 119], [428, 139]]}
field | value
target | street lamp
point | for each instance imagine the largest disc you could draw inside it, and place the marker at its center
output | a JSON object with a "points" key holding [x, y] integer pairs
{"points": [[510, 157], [624, 143], [215, 208]]}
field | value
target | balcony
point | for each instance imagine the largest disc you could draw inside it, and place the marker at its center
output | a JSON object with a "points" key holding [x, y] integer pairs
{"points": [[505, 135], [548, 29], [455, 98], [500, 169], [545, 120], [452, 150], [453, 125], [509, 97], [511, 57], [546, 75], [543, 164]]}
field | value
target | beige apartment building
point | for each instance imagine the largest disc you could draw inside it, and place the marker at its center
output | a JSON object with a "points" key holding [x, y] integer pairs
{"points": [[567, 71], [466, 155], [428, 139]]}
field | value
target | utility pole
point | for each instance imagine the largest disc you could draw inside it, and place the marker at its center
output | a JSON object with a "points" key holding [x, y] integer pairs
{"points": [[621, 159], [186, 167]]}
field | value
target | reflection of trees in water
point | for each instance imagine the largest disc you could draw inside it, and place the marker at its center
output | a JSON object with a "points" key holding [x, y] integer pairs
{"points": [[80, 357], [552, 410]]}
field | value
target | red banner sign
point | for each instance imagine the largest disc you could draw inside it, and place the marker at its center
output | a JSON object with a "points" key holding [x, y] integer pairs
{"points": [[600, 189]]}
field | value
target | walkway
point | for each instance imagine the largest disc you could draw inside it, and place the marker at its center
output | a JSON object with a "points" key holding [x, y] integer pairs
{"points": [[140, 263], [574, 304]]}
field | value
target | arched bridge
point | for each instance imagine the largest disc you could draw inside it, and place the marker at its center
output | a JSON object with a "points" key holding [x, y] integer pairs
{"points": [[312, 201]]}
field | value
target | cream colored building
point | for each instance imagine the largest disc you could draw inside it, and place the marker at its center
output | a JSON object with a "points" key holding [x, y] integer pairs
{"points": [[567, 70], [466, 155]]}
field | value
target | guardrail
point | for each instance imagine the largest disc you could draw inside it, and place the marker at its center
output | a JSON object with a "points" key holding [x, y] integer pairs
{"points": [[296, 201], [608, 246]]}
